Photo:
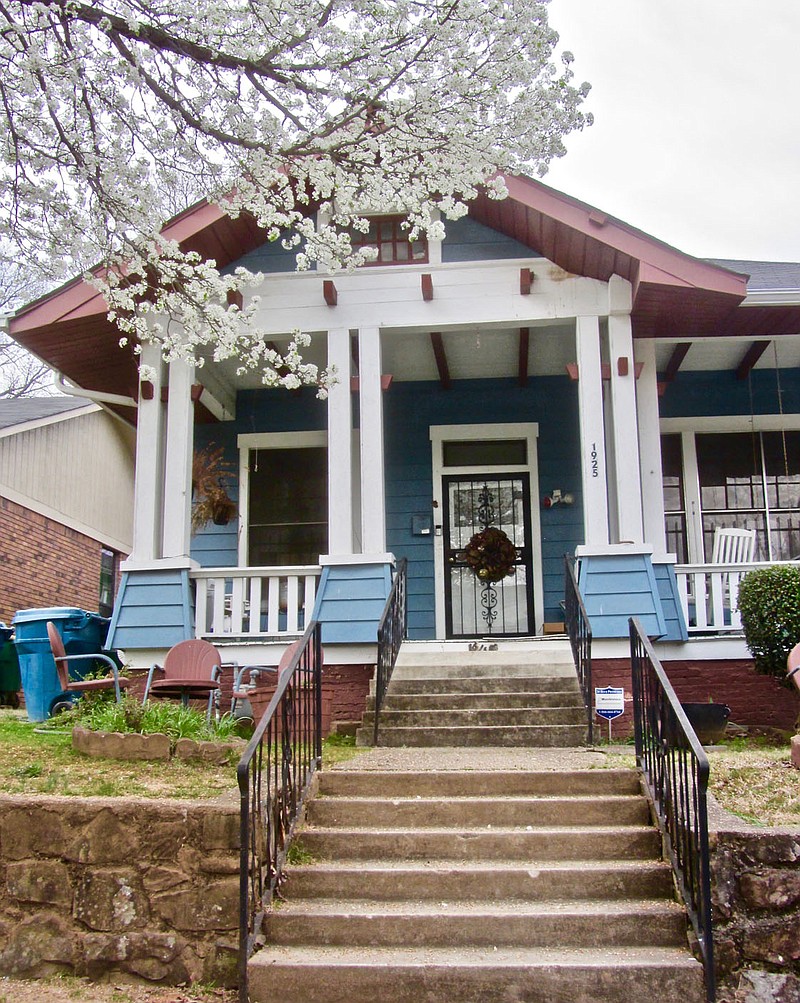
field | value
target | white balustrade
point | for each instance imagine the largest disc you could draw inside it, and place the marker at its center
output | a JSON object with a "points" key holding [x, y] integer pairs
{"points": [[709, 595], [253, 602]]}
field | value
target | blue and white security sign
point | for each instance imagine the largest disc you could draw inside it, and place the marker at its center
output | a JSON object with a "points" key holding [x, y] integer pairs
{"points": [[609, 701]]}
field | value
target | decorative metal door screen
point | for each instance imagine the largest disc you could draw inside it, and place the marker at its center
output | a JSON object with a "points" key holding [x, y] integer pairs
{"points": [[482, 599]]}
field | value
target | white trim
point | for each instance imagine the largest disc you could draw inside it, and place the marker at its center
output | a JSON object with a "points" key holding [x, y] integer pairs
{"points": [[612, 549], [650, 463], [266, 440], [372, 471], [625, 431], [50, 513], [594, 465], [732, 423], [340, 445], [282, 440], [463, 433], [160, 564], [52, 419], [772, 297], [177, 505], [342, 560]]}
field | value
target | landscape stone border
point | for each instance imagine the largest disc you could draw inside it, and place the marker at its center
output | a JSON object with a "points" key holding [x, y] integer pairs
{"points": [[132, 746]]}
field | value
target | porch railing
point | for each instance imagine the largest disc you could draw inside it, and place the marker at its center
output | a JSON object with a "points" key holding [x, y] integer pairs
{"points": [[579, 630], [275, 775], [391, 631], [253, 602], [675, 770]]}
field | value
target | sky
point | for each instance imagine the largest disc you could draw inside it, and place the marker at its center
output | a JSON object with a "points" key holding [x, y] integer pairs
{"points": [[696, 137]]}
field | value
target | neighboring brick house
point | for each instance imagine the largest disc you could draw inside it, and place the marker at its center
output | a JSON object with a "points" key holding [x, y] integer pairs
{"points": [[66, 503]]}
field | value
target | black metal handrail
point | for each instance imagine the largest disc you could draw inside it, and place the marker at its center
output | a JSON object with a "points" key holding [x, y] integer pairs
{"points": [[580, 636], [676, 770], [275, 774], [391, 631]]}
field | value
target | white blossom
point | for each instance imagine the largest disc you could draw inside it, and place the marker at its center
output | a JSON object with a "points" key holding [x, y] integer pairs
{"points": [[275, 108]]}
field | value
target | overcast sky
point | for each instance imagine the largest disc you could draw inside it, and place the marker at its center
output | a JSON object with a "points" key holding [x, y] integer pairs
{"points": [[697, 112]]}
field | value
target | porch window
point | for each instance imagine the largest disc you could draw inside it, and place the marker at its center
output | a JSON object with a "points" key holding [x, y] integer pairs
{"points": [[747, 480], [390, 240], [674, 498], [288, 506], [108, 581]]}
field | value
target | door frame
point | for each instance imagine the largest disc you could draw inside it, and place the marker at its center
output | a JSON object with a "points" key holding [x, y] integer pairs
{"points": [[440, 434]]}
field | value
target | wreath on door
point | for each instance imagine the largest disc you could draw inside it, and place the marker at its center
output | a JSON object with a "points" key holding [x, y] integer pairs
{"points": [[491, 555]]}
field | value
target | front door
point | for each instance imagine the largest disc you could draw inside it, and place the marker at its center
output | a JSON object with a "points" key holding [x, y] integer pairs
{"points": [[488, 555]]}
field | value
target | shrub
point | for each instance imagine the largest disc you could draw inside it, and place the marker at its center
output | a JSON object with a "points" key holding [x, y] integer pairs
{"points": [[769, 601], [130, 715]]}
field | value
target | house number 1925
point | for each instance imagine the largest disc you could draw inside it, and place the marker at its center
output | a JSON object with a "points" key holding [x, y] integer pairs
{"points": [[593, 457]]}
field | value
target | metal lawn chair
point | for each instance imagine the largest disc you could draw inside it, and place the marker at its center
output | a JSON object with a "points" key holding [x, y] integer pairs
{"points": [[113, 681], [191, 671]]}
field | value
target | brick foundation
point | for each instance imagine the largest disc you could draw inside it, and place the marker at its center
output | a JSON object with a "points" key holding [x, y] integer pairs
{"points": [[754, 699], [45, 563]]}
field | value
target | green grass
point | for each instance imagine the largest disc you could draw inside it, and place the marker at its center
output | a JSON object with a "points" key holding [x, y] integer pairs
{"points": [[40, 760]]}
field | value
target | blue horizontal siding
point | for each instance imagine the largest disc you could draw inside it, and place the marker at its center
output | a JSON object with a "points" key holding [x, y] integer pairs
{"points": [[350, 601], [616, 587], [468, 240], [668, 593], [409, 411], [701, 394], [153, 610]]}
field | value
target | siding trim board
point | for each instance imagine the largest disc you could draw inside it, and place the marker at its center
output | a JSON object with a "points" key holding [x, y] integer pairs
{"points": [[154, 609]]}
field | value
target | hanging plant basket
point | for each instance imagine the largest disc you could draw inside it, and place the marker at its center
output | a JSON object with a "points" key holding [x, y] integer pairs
{"points": [[491, 555], [211, 502], [222, 510]]}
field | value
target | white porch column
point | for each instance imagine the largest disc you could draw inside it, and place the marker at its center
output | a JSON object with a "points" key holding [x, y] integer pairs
{"points": [[650, 448], [340, 453], [593, 450], [178, 465], [373, 507], [625, 424], [149, 478]]}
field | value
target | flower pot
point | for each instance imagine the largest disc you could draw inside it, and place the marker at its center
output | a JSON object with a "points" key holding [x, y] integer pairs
{"points": [[708, 720]]}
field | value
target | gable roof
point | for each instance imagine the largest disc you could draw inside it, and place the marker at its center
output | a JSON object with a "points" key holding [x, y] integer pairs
{"points": [[22, 410], [673, 293]]}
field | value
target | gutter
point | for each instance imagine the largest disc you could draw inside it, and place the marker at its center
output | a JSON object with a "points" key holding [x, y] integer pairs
{"points": [[98, 396]]}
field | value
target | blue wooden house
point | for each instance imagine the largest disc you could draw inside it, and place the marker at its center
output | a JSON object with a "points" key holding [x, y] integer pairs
{"points": [[546, 369]]}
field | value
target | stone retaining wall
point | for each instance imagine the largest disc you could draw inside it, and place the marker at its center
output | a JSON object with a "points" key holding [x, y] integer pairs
{"points": [[102, 885], [756, 902]]}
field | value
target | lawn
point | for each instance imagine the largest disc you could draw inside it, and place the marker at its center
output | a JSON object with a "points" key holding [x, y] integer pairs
{"points": [[39, 759]]}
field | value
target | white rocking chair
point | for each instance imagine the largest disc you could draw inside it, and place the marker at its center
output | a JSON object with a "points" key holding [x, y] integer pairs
{"points": [[733, 546]]}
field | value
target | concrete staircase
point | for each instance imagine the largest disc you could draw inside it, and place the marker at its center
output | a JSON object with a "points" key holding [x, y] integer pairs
{"points": [[478, 887], [523, 696]]}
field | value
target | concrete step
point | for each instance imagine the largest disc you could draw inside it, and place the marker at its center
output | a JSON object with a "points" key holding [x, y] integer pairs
{"points": [[477, 924], [507, 717], [519, 736], [478, 701], [474, 975], [466, 668], [534, 844], [486, 684], [477, 811], [450, 880], [478, 783]]}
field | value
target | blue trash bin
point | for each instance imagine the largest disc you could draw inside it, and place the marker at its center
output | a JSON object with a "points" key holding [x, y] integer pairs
{"points": [[83, 633]]}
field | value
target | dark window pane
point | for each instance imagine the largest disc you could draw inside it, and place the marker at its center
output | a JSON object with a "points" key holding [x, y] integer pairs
{"points": [[729, 467], [785, 533], [485, 452], [782, 460], [676, 537], [672, 473], [288, 506]]}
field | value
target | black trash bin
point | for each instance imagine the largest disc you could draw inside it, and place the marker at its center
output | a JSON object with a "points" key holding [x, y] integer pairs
{"points": [[83, 634], [10, 683]]}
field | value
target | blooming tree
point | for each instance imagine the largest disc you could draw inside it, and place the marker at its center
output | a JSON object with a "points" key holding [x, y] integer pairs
{"points": [[306, 114]]}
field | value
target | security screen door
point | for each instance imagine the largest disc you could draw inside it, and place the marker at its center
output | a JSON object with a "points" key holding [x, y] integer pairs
{"points": [[478, 603]]}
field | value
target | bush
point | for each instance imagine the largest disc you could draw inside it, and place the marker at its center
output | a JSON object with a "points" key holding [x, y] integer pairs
{"points": [[769, 601], [130, 715]]}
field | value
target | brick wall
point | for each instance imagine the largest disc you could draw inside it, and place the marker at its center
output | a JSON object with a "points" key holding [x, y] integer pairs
{"points": [[754, 699], [44, 563]]}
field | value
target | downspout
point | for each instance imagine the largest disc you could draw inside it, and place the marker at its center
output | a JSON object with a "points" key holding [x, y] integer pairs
{"points": [[98, 396]]}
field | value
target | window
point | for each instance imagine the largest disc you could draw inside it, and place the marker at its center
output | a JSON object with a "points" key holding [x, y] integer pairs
{"points": [[288, 506], [747, 480], [674, 503], [108, 582], [387, 235]]}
